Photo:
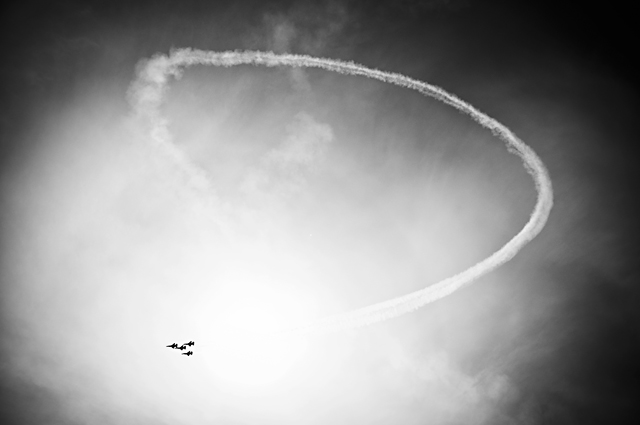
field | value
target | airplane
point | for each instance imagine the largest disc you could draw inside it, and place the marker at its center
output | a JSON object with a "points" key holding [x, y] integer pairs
{"points": [[174, 345], [188, 353], [182, 347], [190, 343]]}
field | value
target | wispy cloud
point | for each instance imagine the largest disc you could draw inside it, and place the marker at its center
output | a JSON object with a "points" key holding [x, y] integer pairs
{"points": [[310, 28], [436, 381], [283, 170]]}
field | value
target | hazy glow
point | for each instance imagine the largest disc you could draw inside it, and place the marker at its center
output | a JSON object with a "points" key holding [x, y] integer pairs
{"points": [[240, 353], [141, 209], [114, 246]]}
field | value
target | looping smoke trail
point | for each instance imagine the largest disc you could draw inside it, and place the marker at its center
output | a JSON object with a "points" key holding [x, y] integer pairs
{"points": [[146, 95]]}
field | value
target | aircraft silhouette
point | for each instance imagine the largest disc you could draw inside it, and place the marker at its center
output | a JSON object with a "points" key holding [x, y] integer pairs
{"points": [[188, 353], [182, 347], [174, 345], [190, 343]]}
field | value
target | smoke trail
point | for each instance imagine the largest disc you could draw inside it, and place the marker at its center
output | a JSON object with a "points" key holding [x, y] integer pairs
{"points": [[146, 94]]}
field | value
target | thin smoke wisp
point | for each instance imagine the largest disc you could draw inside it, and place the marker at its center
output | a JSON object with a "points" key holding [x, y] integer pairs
{"points": [[146, 95]]}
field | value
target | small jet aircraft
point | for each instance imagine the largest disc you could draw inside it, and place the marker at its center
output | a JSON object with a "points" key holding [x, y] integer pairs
{"points": [[188, 353], [190, 343], [182, 347], [174, 345]]}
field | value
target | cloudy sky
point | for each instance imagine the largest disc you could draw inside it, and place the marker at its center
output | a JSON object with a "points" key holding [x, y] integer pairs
{"points": [[285, 195]]}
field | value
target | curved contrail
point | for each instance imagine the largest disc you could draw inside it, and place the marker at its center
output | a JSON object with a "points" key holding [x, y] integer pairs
{"points": [[146, 95]]}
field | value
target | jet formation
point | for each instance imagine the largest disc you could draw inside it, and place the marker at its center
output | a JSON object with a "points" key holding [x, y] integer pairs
{"points": [[183, 347]]}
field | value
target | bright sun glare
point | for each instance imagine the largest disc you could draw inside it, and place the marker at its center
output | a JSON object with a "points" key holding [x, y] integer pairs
{"points": [[243, 354]]}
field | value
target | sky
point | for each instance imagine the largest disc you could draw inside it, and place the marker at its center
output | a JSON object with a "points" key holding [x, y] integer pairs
{"points": [[253, 199]]}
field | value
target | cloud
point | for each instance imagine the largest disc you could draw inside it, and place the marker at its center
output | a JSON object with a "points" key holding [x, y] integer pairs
{"points": [[439, 384], [283, 170], [307, 27], [280, 178]]}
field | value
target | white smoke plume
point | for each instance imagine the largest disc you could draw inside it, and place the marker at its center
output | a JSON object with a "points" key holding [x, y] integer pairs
{"points": [[146, 96]]}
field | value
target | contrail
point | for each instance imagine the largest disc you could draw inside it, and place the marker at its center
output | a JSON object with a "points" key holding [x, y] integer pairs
{"points": [[146, 95]]}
